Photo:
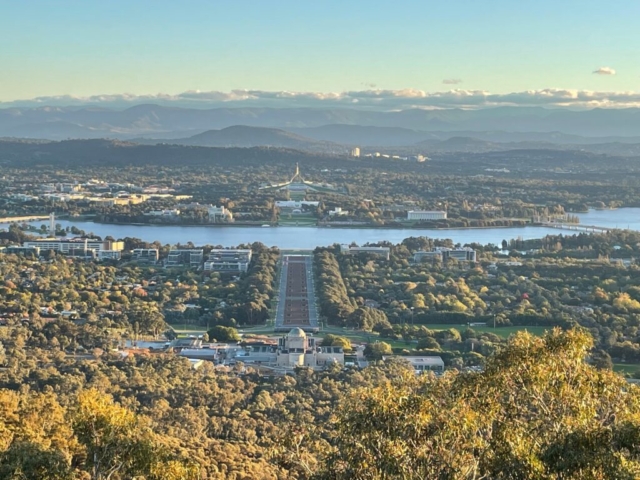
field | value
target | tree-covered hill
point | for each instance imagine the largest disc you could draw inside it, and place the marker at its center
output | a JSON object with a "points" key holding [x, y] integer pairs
{"points": [[538, 411], [78, 153]]}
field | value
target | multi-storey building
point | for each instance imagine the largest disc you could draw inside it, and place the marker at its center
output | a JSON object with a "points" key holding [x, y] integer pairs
{"points": [[190, 257], [109, 254], [67, 245], [145, 255], [461, 254], [18, 250], [219, 214], [426, 215], [380, 251], [464, 254], [228, 260]]}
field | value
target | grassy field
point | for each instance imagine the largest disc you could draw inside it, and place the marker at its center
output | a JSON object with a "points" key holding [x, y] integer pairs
{"points": [[626, 367], [500, 331], [182, 329], [366, 337], [303, 219]]}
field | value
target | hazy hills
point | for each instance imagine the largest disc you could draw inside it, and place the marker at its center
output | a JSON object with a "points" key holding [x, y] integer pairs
{"points": [[615, 132], [120, 154], [171, 122], [245, 136], [116, 153], [393, 140]]}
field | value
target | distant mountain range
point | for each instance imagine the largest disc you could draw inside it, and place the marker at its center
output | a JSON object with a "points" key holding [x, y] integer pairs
{"points": [[327, 124], [440, 142], [610, 131]]}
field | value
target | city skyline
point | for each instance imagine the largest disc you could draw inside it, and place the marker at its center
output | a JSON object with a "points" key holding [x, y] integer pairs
{"points": [[358, 54]]}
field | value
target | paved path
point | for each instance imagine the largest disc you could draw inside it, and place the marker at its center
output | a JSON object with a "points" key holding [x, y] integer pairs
{"points": [[297, 303]]}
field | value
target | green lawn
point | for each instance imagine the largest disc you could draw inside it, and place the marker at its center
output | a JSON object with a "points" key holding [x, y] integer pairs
{"points": [[303, 219], [192, 329], [360, 336], [626, 367], [500, 331]]}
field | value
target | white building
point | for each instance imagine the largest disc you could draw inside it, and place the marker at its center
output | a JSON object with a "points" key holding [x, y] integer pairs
{"points": [[294, 349], [355, 152], [295, 204], [423, 364], [426, 215], [228, 260], [73, 244], [338, 212], [164, 213], [218, 214]]}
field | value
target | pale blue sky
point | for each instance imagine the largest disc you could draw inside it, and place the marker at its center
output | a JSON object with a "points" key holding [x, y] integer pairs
{"points": [[88, 47]]}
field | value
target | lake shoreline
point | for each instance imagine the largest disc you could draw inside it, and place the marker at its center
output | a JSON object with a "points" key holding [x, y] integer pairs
{"points": [[311, 236], [307, 226]]}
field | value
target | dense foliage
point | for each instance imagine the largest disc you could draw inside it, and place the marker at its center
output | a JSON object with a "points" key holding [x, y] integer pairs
{"points": [[538, 410]]}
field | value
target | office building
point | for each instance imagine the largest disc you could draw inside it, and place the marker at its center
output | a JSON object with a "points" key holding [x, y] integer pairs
{"points": [[109, 255], [82, 253], [145, 255], [185, 257], [461, 254], [426, 215], [464, 254], [67, 245], [379, 251], [423, 256], [422, 364], [18, 250], [295, 349], [228, 260], [355, 152]]}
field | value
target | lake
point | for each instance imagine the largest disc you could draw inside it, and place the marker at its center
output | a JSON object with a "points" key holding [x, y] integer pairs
{"points": [[311, 237]]}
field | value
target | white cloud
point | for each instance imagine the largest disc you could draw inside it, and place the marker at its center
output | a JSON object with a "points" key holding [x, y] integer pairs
{"points": [[605, 71], [451, 81], [373, 99]]}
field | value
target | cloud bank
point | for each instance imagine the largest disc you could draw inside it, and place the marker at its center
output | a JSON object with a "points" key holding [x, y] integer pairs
{"points": [[372, 99], [605, 71]]}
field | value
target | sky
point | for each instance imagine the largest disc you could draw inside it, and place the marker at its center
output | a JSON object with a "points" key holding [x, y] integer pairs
{"points": [[78, 50]]}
